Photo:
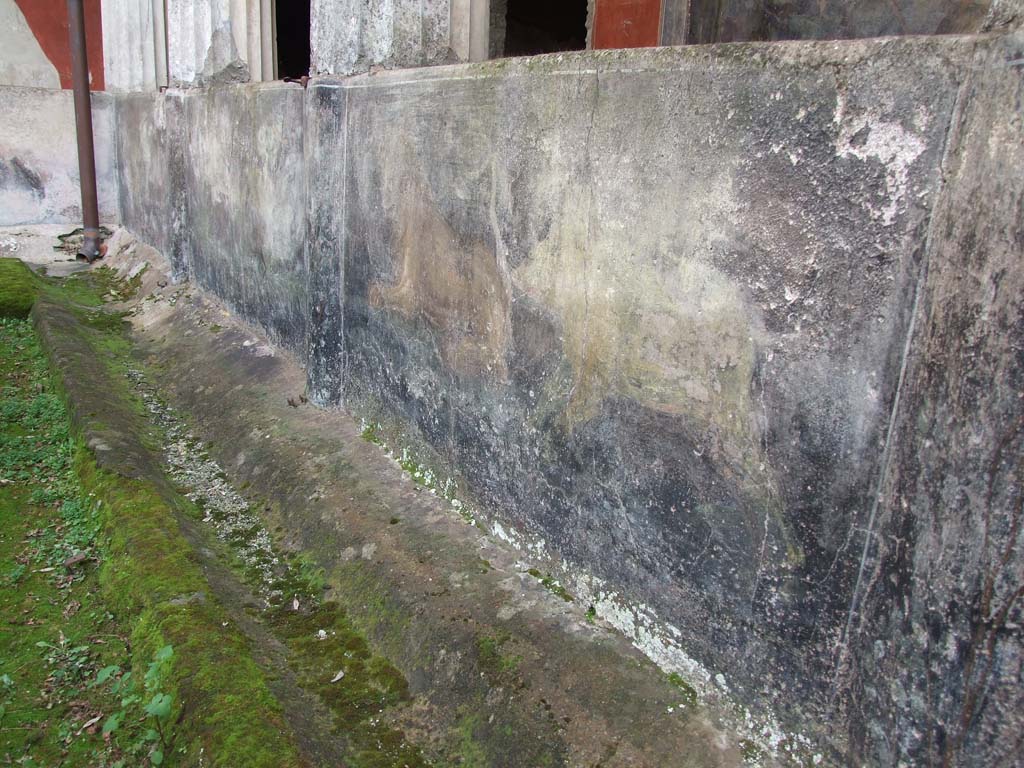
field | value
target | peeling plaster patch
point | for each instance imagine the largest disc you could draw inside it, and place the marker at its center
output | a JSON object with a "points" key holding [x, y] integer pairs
{"points": [[209, 54], [23, 62], [869, 137]]}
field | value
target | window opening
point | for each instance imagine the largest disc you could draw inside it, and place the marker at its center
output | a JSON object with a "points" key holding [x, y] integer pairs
{"points": [[541, 26], [292, 22]]}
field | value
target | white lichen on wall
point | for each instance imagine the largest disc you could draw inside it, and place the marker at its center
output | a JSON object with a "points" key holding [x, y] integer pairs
{"points": [[868, 137]]}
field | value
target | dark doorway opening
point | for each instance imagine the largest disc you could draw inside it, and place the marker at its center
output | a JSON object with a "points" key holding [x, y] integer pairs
{"points": [[292, 38], [542, 26]]}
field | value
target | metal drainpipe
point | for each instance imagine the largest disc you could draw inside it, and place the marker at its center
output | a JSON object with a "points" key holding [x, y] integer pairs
{"points": [[90, 249]]}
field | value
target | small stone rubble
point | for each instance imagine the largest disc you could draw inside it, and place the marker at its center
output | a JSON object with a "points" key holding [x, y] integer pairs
{"points": [[224, 510]]}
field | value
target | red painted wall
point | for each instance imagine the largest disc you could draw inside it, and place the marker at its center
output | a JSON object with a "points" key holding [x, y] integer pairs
{"points": [[48, 20], [626, 23]]}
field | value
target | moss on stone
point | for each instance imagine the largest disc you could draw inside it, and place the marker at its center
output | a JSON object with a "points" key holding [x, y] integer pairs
{"points": [[550, 583], [496, 664], [18, 289], [87, 288], [225, 709], [688, 691], [333, 659], [151, 577]]}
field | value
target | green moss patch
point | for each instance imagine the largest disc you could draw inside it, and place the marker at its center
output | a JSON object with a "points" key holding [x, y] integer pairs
{"points": [[499, 666], [210, 704], [18, 289], [688, 691], [57, 629], [222, 711], [550, 583], [333, 659]]}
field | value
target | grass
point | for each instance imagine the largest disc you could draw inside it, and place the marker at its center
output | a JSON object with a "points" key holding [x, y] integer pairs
{"points": [[18, 289], [221, 706], [220, 694], [57, 631], [96, 579], [219, 709]]}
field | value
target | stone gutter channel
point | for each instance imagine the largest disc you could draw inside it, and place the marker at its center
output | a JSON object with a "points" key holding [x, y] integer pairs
{"points": [[391, 632], [260, 575]]}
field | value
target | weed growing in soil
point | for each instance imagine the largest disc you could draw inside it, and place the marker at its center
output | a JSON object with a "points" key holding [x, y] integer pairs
{"points": [[59, 630]]}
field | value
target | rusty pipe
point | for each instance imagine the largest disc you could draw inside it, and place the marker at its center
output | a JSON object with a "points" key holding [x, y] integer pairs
{"points": [[90, 249]]}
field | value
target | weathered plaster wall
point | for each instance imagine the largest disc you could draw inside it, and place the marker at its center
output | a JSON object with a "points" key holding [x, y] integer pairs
{"points": [[23, 61], [151, 159], [39, 157], [135, 45], [48, 22], [652, 309], [701, 323], [219, 41], [740, 20], [246, 183], [350, 36], [935, 647], [231, 192]]}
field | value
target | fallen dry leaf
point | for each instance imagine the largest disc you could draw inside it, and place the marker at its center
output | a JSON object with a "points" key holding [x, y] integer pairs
{"points": [[89, 724]]}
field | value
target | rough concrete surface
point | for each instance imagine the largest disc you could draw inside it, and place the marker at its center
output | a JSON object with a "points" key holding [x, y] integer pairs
{"points": [[350, 36], [232, 181], [39, 157], [34, 245], [659, 314], [742, 20], [503, 671]]}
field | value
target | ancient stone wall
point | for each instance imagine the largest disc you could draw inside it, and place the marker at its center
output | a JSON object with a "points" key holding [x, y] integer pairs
{"points": [[713, 21], [727, 335], [216, 178], [351, 36]]}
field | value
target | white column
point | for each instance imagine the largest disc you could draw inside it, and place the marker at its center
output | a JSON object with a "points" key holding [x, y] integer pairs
{"points": [[480, 30], [471, 29], [268, 38], [160, 41]]}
